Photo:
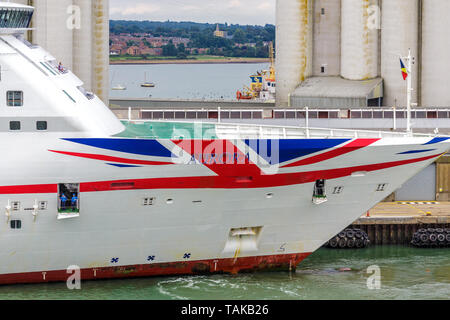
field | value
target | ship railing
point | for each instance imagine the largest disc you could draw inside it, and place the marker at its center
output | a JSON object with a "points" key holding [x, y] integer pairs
{"points": [[285, 132], [252, 131]]}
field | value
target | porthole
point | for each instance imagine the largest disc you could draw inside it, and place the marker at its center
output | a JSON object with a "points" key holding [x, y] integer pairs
{"points": [[14, 125], [41, 125]]}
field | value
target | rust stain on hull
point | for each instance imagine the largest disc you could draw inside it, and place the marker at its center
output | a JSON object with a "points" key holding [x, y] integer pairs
{"points": [[213, 266]]}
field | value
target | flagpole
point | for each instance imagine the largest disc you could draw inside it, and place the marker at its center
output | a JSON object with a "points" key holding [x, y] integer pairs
{"points": [[409, 97]]}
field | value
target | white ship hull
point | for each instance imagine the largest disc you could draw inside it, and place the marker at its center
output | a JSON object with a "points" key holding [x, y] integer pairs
{"points": [[186, 229]]}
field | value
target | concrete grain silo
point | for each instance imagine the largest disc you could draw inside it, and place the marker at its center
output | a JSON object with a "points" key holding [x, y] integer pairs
{"points": [[75, 32], [82, 44], [327, 38], [359, 42], [293, 46], [52, 33], [91, 46], [399, 32], [435, 53], [100, 49]]}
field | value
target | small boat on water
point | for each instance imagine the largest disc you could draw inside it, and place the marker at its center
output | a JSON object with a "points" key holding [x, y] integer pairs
{"points": [[119, 87], [147, 84]]}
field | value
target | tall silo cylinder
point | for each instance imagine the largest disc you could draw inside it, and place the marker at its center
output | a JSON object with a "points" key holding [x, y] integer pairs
{"points": [[399, 32], [82, 43], [52, 30], [359, 39], [327, 38], [293, 46], [435, 53], [100, 50]]}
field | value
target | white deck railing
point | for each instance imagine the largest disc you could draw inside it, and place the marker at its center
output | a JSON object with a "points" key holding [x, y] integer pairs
{"points": [[256, 131]]}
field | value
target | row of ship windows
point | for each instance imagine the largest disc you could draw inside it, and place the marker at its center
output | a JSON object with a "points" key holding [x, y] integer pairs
{"points": [[346, 114], [15, 18], [16, 125], [15, 98], [319, 191]]}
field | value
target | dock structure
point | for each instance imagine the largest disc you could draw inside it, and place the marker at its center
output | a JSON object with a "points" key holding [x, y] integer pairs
{"points": [[396, 222]]}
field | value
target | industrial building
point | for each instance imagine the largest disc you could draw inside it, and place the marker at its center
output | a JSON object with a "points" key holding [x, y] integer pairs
{"points": [[333, 53], [76, 32]]}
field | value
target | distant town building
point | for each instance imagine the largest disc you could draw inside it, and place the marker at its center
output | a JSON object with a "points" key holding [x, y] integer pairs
{"points": [[241, 45], [220, 34], [151, 51], [200, 51], [134, 51]]}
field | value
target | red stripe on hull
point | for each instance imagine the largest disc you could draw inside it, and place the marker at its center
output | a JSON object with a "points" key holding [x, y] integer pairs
{"points": [[37, 188], [350, 147], [231, 265], [215, 182], [236, 182], [112, 159]]}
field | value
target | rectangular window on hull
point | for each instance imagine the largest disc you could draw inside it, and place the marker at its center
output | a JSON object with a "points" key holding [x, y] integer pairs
{"points": [[15, 206], [338, 190], [68, 198], [319, 193], [14, 98], [148, 201], [43, 205], [16, 224], [382, 187]]}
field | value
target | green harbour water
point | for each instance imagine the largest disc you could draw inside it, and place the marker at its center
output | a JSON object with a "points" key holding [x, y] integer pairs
{"points": [[406, 273]]}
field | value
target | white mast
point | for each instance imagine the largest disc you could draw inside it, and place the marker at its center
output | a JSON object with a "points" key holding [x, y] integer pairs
{"points": [[409, 60]]}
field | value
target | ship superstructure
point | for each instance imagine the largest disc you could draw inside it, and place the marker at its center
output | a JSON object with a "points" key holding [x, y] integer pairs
{"points": [[79, 187]]}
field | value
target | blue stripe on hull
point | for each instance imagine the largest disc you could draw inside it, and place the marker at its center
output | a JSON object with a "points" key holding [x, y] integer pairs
{"points": [[132, 146], [290, 149], [436, 140], [416, 151]]}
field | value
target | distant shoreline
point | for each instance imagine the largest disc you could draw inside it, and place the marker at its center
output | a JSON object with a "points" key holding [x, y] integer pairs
{"points": [[205, 61]]}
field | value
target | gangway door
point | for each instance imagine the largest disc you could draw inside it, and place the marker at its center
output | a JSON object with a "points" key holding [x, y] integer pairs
{"points": [[68, 200]]}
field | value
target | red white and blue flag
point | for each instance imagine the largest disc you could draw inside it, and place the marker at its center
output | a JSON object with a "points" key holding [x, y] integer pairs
{"points": [[404, 70]]}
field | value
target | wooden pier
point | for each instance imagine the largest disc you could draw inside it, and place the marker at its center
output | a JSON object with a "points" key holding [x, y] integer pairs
{"points": [[396, 222]]}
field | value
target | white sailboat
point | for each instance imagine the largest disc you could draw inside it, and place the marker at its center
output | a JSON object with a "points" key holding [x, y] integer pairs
{"points": [[118, 86], [147, 84]]}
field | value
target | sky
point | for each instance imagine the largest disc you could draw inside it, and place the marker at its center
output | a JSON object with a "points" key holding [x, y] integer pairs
{"points": [[245, 12]]}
